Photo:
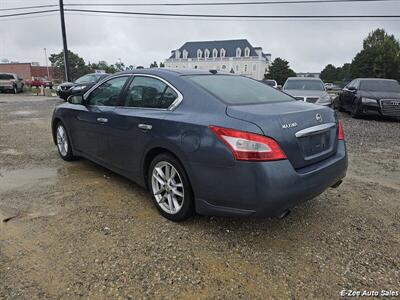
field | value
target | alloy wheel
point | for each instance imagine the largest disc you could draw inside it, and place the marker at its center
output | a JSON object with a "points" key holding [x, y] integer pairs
{"points": [[167, 187], [62, 140]]}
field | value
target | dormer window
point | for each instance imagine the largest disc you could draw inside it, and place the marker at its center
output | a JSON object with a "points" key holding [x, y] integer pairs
{"points": [[184, 53], [199, 53], [215, 53], [247, 52], [206, 53], [223, 52], [238, 52], [177, 54]]}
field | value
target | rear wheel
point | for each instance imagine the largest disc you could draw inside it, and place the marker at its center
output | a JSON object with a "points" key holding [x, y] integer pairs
{"points": [[170, 188], [63, 143]]}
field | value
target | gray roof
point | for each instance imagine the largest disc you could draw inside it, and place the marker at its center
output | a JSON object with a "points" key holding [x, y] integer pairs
{"points": [[230, 47]]}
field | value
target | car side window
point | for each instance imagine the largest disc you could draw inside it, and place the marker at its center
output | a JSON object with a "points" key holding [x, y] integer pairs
{"points": [[149, 92], [108, 94]]}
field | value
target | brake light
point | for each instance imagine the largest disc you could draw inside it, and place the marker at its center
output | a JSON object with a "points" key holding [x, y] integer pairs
{"points": [[340, 134], [249, 146]]}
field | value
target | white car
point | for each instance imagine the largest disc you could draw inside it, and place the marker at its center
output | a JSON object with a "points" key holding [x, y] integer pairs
{"points": [[307, 89]]}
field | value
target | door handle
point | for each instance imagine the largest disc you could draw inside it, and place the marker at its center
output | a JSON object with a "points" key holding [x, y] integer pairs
{"points": [[102, 120], [145, 127]]}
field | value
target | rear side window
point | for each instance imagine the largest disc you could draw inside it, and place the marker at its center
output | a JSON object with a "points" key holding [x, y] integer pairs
{"points": [[6, 77], [239, 90], [148, 92]]}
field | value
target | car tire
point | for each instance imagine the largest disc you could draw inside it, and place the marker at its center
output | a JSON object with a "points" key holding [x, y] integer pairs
{"points": [[355, 111], [170, 188], [63, 142]]}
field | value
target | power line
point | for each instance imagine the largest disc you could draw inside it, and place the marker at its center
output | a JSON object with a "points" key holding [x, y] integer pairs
{"points": [[219, 19], [232, 16], [28, 13], [225, 3], [28, 7]]}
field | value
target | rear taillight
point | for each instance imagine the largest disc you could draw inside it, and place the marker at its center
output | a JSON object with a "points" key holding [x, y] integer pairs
{"points": [[340, 134], [249, 146]]}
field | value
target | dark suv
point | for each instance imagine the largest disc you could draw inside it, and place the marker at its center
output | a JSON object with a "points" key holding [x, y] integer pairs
{"points": [[377, 96]]}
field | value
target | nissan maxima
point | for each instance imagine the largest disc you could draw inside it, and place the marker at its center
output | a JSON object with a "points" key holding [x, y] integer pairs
{"points": [[371, 96], [204, 142]]}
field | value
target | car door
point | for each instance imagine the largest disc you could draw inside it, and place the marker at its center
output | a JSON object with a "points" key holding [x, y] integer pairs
{"points": [[92, 123], [139, 122]]}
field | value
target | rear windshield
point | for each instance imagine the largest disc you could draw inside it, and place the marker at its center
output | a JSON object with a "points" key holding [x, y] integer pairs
{"points": [[269, 82], [6, 77], [239, 90], [380, 85], [307, 85]]}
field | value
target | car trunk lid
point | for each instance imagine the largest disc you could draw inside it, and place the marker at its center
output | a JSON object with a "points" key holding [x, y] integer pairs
{"points": [[307, 133]]}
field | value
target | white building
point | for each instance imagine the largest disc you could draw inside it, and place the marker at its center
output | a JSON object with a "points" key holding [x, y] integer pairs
{"points": [[234, 56]]}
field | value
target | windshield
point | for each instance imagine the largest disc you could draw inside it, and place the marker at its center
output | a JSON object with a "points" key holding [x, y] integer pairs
{"points": [[307, 85], [89, 78], [239, 90], [6, 77], [380, 86]]}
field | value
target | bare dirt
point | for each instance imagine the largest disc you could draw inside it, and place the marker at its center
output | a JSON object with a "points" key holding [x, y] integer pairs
{"points": [[76, 230]]}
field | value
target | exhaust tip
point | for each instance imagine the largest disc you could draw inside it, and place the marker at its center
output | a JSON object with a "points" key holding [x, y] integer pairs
{"points": [[284, 214], [337, 184]]}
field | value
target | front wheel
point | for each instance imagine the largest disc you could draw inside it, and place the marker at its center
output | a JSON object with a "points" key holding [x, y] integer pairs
{"points": [[63, 143], [170, 188], [15, 89]]}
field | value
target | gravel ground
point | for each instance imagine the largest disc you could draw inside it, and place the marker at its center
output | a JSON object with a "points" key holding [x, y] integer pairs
{"points": [[81, 231]]}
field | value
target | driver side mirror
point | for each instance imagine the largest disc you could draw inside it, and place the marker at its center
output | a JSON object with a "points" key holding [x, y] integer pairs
{"points": [[352, 89], [75, 99]]}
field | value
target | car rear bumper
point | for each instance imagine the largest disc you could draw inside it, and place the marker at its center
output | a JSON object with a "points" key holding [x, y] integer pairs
{"points": [[263, 189]]}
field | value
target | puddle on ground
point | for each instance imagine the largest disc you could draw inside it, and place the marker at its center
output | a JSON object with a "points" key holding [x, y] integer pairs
{"points": [[26, 178]]}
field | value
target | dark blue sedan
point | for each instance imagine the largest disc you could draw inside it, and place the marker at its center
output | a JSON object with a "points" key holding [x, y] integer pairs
{"points": [[215, 144]]}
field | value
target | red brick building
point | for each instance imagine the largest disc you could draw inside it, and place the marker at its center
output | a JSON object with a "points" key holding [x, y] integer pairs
{"points": [[26, 70]]}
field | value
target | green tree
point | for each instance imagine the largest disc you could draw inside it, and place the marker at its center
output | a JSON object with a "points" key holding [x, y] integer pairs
{"points": [[162, 65], [154, 65], [77, 66], [103, 66], [330, 73], [380, 57], [280, 71]]}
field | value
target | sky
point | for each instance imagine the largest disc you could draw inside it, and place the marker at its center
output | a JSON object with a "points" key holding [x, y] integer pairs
{"points": [[308, 45]]}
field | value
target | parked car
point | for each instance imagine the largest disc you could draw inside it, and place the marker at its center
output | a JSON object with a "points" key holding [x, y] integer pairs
{"points": [[40, 81], [79, 86], [330, 86], [11, 82], [306, 89], [270, 82], [364, 96], [215, 144]]}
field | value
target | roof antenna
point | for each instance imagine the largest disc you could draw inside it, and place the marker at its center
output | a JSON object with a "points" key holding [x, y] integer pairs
{"points": [[213, 71]]}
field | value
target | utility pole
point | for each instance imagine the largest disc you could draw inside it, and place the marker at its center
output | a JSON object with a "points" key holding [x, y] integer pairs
{"points": [[64, 37], [47, 65]]}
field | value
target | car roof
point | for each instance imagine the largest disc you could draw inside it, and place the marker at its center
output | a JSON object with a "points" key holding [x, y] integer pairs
{"points": [[165, 71], [372, 79], [303, 78]]}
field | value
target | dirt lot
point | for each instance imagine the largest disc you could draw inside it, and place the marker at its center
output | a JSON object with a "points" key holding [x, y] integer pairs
{"points": [[84, 232]]}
